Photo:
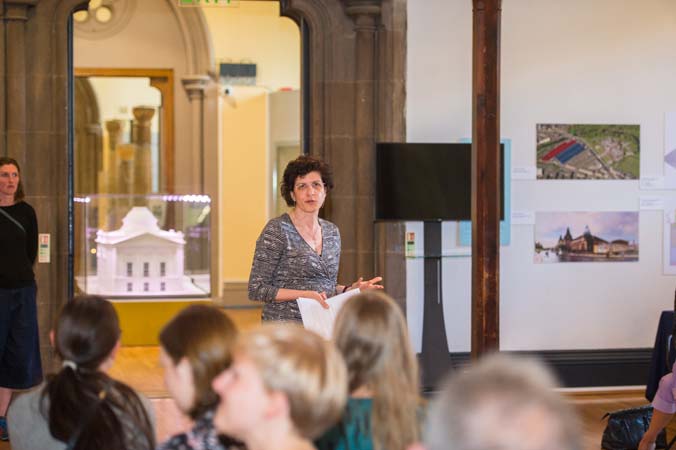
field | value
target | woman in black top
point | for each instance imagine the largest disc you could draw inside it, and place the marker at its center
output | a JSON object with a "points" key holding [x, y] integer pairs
{"points": [[297, 254], [20, 366]]}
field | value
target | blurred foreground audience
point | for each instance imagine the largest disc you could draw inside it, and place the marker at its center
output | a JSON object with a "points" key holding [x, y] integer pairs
{"points": [[286, 385], [502, 403], [383, 411], [196, 346], [81, 407]]}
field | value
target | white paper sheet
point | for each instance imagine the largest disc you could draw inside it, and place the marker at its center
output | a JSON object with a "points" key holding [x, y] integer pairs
{"points": [[318, 319]]}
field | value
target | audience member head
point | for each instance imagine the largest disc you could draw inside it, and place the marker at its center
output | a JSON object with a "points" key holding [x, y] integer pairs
{"points": [[81, 400], [7, 161], [502, 403], [283, 377], [86, 334], [300, 167], [196, 345], [372, 335]]}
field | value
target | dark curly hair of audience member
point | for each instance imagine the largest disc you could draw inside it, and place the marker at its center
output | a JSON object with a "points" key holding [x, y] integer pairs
{"points": [[300, 167], [83, 403]]}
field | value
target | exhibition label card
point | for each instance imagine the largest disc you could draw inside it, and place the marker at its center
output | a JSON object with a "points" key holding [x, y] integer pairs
{"points": [[524, 173], [44, 243], [651, 182], [651, 203], [321, 320], [523, 217]]}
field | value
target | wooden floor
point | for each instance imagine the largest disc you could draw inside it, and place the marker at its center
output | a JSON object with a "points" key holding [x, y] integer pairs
{"points": [[139, 367]]}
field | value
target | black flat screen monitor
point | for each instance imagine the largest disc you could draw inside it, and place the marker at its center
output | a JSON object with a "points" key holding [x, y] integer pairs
{"points": [[426, 182]]}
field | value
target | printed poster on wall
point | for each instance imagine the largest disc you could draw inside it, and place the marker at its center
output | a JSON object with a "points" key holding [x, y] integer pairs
{"points": [[588, 152], [598, 237]]}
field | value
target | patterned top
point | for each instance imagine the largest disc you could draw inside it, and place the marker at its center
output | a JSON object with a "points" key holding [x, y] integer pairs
{"points": [[203, 436], [284, 260]]}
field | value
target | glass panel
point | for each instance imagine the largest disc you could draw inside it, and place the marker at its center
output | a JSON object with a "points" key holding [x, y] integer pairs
{"points": [[117, 135]]}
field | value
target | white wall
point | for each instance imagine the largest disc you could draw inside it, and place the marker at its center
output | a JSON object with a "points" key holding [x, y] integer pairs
{"points": [[578, 61], [254, 32]]}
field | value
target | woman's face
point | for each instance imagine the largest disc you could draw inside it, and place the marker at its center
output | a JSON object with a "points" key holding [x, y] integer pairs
{"points": [[244, 399], [309, 192], [9, 180], [179, 381]]}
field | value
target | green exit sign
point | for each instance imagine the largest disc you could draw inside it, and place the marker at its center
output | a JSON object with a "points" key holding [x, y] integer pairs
{"points": [[193, 3]]}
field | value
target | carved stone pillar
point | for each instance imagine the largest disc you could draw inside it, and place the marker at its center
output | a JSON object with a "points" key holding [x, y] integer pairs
{"points": [[3, 76], [125, 168], [195, 86], [15, 17], [203, 95], [366, 15], [142, 161], [114, 128]]}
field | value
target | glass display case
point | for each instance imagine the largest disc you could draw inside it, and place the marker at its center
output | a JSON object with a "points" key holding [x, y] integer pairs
{"points": [[142, 246]]}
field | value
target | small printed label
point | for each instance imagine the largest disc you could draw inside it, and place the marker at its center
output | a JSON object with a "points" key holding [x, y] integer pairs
{"points": [[523, 217], [523, 173], [410, 244], [44, 247], [651, 203], [651, 183]]}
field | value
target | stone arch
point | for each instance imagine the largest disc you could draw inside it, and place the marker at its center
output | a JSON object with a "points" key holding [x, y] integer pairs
{"points": [[34, 123], [356, 90]]}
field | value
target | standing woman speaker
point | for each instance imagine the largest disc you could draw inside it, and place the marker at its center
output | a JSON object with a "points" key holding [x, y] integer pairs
{"points": [[20, 366], [298, 254]]}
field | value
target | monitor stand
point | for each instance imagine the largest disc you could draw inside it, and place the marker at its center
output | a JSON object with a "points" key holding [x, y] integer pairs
{"points": [[435, 359]]}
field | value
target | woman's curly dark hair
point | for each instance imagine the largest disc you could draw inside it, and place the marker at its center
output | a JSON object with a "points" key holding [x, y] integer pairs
{"points": [[300, 167]]}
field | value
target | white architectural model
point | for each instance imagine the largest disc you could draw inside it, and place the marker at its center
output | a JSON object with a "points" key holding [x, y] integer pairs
{"points": [[140, 259]]}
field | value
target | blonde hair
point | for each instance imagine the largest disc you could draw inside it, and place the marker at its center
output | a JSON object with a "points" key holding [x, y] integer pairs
{"points": [[513, 395], [371, 333], [303, 366]]}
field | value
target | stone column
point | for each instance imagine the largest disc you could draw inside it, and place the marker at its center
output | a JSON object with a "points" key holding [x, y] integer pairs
{"points": [[15, 17], [142, 161], [366, 15], [114, 129], [125, 168], [195, 86], [3, 77], [203, 97]]}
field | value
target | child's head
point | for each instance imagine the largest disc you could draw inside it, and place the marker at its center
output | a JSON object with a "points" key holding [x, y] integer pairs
{"points": [[196, 346], [281, 372], [371, 334]]}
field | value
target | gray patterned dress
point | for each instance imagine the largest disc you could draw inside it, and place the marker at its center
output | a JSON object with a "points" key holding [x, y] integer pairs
{"points": [[284, 260]]}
